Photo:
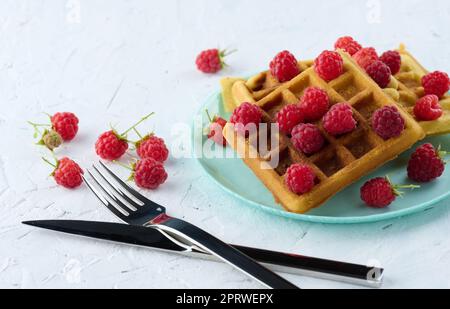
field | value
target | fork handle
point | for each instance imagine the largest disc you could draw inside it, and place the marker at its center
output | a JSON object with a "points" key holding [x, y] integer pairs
{"points": [[196, 236]]}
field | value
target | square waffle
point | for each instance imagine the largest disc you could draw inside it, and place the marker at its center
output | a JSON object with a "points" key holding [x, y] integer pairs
{"points": [[345, 159], [410, 90], [237, 90]]}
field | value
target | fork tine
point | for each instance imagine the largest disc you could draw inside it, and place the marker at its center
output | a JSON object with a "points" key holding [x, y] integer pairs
{"points": [[111, 195], [126, 187], [127, 197], [120, 214]]}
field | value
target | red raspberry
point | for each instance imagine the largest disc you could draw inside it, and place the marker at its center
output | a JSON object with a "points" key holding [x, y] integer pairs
{"points": [[307, 138], [378, 193], [380, 73], [428, 108], [216, 130], [300, 178], [348, 44], [339, 119], [68, 173], [436, 83], [111, 146], [387, 122], [366, 56], [314, 103], [211, 60], [245, 115], [426, 164], [66, 124], [288, 117], [149, 174], [393, 60], [152, 147], [284, 66], [329, 65]]}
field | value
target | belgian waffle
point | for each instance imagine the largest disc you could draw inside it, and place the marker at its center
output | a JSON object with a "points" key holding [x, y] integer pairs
{"points": [[410, 90], [345, 159], [237, 90]]}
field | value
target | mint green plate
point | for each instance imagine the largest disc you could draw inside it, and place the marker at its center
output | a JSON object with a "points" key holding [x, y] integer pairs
{"points": [[344, 208]]}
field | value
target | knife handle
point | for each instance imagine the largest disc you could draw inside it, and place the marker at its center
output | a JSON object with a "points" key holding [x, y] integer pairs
{"points": [[320, 268], [205, 241]]}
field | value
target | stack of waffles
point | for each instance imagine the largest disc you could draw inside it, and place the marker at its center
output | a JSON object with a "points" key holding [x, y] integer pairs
{"points": [[344, 159]]}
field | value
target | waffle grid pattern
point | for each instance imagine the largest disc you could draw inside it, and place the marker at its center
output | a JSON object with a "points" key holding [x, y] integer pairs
{"points": [[344, 159]]}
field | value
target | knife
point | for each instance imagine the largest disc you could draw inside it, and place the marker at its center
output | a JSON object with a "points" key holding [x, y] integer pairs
{"points": [[276, 261]]}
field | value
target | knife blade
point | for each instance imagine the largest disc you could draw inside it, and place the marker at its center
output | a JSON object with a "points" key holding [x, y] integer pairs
{"points": [[276, 261]]}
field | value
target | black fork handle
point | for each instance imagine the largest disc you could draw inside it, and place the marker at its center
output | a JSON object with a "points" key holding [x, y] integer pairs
{"points": [[194, 235]]}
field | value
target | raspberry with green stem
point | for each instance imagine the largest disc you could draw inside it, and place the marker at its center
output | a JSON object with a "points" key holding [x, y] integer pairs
{"points": [[146, 173], [427, 163], [66, 172], [212, 60], [215, 129], [380, 192], [151, 146]]}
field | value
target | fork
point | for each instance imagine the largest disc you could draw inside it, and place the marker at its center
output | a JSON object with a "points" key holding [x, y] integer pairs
{"points": [[133, 208]]}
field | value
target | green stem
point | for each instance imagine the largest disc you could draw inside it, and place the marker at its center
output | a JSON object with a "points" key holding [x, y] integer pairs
{"points": [[407, 187], [226, 53], [49, 163], [209, 116], [138, 123], [39, 124], [138, 134], [123, 165]]}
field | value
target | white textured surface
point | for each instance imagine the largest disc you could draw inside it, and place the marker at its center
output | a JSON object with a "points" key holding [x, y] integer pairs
{"points": [[112, 61]]}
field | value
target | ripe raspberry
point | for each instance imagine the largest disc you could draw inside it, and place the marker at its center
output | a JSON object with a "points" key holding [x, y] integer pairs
{"points": [[380, 73], [284, 66], [428, 108], [66, 124], [314, 103], [67, 173], [111, 146], [393, 60], [436, 83], [339, 119], [215, 130], [149, 174], [366, 56], [211, 60], [307, 138], [152, 147], [378, 193], [426, 164], [51, 139], [387, 122], [329, 65], [245, 115], [288, 117], [300, 179], [348, 44]]}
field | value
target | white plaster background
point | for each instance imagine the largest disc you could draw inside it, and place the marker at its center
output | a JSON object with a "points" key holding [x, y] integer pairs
{"points": [[113, 61]]}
